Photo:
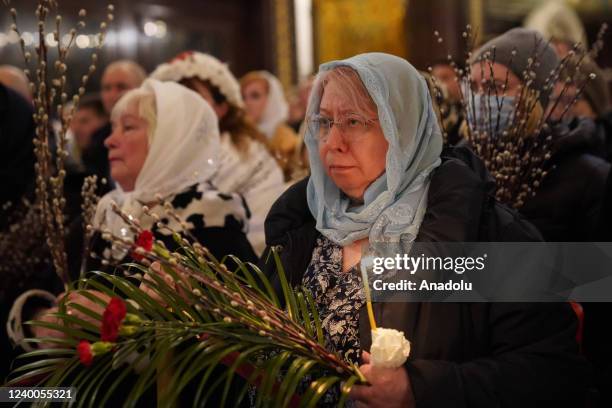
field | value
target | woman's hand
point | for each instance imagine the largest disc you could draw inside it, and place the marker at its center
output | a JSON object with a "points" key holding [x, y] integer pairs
{"points": [[82, 300], [144, 284], [46, 315], [390, 387]]}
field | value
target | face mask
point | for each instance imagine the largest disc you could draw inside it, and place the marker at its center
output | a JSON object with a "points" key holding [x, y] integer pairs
{"points": [[491, 114]]}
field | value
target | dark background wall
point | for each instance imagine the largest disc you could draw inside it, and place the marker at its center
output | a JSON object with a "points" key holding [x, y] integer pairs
{"points": [[239, 32]]}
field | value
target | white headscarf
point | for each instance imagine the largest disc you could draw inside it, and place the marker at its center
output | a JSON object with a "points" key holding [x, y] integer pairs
{"points": [[277, 108], [182, 152]]}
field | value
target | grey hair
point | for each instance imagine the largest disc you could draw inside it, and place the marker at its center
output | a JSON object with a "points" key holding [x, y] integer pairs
{"points": [[352, 88]]}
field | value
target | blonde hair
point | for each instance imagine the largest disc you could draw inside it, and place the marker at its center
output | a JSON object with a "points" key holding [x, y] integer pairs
{"points": [[352, 88], [254, 76], [147, 108]]}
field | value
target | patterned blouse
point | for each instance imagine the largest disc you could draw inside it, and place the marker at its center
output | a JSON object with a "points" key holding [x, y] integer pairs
{"points": [[339, 297]]}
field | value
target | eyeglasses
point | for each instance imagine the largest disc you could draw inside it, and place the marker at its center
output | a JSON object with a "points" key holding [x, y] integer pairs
{"points": [[351, 126]]}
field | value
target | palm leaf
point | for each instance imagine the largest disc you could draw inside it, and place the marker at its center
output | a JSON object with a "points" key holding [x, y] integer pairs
{"points": [[218, 325]]}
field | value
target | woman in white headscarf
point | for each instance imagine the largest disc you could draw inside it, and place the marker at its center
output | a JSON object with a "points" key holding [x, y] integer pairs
{"points": [[245, 163], [165, 143], [379, 179], [267, 107]]}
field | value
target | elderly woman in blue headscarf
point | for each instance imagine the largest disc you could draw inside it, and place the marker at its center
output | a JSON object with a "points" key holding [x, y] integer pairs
{"points": [[379, 176]]}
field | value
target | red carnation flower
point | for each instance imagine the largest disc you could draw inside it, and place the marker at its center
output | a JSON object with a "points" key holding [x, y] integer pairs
{"points": [[84, 352], [111, 319], [144, 241]]}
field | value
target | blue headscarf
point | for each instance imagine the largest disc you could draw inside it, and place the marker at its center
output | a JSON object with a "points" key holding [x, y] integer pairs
{"points": [[395, 203]]}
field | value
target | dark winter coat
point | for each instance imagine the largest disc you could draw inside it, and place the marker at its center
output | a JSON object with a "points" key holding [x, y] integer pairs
{"points": [[567, 207], [463, 354]]}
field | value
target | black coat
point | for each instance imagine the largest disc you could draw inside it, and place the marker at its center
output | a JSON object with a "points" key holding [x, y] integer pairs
{"points": [[16, 183], [597, 336], [17, 152], [463, 354], [604, 129], [567, 207]]}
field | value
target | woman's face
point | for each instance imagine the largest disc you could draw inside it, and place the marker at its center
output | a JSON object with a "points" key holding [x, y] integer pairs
{"points": [[354, 156], [255, 95], [128, 146], [219, 108]]}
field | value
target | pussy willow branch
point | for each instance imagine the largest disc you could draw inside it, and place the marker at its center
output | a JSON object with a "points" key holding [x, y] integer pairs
{"points": [[245, 301], [514, 157], [45, 89]]}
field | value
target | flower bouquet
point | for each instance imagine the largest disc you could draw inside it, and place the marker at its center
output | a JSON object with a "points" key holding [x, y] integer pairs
{"points": [[197, 325]]}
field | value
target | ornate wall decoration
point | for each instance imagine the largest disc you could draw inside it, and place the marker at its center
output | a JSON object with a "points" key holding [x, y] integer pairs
{"points": [[285, 44], [347, 27]]}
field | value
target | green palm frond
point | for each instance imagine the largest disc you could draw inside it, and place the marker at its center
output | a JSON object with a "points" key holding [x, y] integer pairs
{"points": [[209, 328]]}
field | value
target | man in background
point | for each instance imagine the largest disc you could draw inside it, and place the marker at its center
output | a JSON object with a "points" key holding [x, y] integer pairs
{"points": [[87, 119]]}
